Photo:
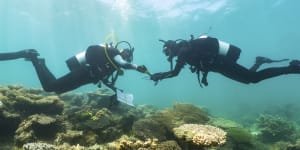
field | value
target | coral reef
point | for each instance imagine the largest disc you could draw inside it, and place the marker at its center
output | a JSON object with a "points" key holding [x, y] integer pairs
{"points": [[180, 114], [38, 146], [200, 135], [8, 122], [128, 144], [18, 99], [160, 124], [37, 127], [188, 113], [148, 128], [240, 138], [223, 123], [274, 128], [34, 119], [168, 145], [70, 136], [105, 123]]}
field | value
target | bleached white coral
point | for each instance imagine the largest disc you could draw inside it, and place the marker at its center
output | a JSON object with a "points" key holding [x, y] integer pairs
{"points": [[201, 135]]}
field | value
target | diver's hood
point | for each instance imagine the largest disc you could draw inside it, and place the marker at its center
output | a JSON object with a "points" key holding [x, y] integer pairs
{"points": [[169, 49]]}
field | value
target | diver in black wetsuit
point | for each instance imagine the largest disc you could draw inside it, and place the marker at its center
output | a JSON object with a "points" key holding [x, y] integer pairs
{"points": [[206, 54], [97, 63]]}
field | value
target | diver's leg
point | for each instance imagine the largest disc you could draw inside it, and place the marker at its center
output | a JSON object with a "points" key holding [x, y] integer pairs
{"points": [[262, 60], [45, 76], [66, 83], [72, 80], [234, 71], [27, 54], [241, 74], [273, 72]]}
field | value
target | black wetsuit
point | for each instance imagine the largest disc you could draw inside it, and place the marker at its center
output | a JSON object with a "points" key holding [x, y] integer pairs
{"points": [[97, 68], [203, 54]]}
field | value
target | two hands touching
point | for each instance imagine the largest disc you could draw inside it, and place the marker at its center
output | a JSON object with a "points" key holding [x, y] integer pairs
{"points": [[155, 77]]}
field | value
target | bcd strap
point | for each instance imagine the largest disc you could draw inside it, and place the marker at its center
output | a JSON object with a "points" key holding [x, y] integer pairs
{"points": [[204, 75], [198, 77], [119, 70], [114, 78]]}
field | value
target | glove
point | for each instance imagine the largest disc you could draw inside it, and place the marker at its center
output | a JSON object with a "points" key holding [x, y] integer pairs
{"points": [[157, 76], [141, 68]]}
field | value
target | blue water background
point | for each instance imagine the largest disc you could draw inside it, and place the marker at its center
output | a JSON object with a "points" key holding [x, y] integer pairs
{"points": [[59, 29]]}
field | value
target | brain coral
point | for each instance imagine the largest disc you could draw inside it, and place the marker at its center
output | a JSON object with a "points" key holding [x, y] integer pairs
{"points": [[200, 135]]}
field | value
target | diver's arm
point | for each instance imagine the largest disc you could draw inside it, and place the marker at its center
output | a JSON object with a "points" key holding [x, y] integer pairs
{"points": [[168, 74], [124, 64]]}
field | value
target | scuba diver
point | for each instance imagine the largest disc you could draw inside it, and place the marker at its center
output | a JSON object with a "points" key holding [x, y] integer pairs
{"points": [[205, 54], [95, 65]]}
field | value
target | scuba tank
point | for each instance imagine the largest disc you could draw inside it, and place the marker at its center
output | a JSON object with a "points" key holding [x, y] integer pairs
{"points": [[225, 49], [77, 61]]}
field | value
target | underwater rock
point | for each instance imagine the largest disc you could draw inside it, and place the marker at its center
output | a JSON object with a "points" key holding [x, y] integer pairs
{"points": [[37, 127], [198, 135]]}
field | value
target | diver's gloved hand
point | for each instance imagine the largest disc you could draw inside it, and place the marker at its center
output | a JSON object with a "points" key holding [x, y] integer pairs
{"points": [[157, 76], [29, 54], [142, 69]]}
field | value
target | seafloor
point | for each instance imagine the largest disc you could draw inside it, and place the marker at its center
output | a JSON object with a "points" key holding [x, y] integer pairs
{"points": [[32, 119]]}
